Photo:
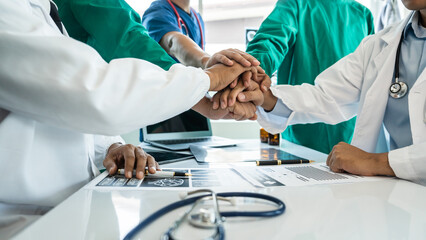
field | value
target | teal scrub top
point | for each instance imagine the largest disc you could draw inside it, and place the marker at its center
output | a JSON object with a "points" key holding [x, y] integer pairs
{"points": [[113, 28], [300, 39]]}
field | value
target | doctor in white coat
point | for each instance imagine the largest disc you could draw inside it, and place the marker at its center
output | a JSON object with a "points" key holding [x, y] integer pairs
{"points": [[58, 96], [390, 133]]}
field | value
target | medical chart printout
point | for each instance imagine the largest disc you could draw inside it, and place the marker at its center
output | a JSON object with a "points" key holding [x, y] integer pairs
{"points": [[241, 176]]}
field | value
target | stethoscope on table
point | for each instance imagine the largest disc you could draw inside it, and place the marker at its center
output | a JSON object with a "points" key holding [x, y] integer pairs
{"points": [[210, 218], [182, 23], [398, 89]]}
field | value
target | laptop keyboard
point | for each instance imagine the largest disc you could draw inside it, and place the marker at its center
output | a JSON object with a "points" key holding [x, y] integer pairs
{"points": [[177, 141]]}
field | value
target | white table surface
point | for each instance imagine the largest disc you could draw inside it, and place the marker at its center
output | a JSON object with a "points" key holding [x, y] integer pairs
{"points": [[385, 209]]}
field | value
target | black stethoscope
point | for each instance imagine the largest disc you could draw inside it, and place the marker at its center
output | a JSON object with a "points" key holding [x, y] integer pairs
{"points": [[208, 218], [182, 23], [398, 89]]}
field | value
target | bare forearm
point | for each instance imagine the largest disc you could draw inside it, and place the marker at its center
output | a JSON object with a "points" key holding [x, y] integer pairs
{"points": [[184, 49], [202, 106]]}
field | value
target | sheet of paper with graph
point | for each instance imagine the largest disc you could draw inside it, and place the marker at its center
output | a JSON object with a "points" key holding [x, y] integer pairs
{"points": [[240, 176]]}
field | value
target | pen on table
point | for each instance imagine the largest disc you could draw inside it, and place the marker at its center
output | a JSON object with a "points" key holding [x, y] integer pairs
{"points": [[279, 162], [158, 174]]}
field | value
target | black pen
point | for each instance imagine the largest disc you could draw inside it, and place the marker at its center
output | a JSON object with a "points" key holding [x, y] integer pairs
{"points": [[279, 162], [158, 174]]}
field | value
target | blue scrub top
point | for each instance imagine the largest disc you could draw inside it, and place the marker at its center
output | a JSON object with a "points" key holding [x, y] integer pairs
{"points": [[160, 19]]}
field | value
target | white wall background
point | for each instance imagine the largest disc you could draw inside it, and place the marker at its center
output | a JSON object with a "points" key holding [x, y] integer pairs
{"points": [[226, 21]]}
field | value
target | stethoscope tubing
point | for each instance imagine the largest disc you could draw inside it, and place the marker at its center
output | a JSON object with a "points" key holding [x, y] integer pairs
{"points": [[163, 211]]}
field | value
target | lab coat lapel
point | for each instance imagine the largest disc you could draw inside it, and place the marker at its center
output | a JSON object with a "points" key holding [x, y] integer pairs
{"points": [[420, 80], [417, 108], [370, 117]]}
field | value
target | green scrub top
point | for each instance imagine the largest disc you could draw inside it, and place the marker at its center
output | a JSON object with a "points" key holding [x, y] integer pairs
{"points": [[113, 28], [300, 39]]}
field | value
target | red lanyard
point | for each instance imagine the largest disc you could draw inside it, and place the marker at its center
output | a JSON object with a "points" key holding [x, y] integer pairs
{"points": [[181, 22]]}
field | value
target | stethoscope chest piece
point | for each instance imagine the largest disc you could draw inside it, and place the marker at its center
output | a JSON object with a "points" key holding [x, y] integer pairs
{"points": [[205, 218], [398, 90]]}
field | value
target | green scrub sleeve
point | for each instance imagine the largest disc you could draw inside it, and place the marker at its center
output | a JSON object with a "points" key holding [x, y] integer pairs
{"points": [[275, 36], [116, 31]]}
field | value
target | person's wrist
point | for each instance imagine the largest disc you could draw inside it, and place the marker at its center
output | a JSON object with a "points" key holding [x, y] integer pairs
{"points": [[213, 81], [269, 101], [204, 61], [382, 165]]}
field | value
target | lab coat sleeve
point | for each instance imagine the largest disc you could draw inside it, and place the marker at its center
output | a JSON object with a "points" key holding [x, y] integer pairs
{"points": [[59, 81], [409, 162], [124, 37], [275, 37], [334, 97]]}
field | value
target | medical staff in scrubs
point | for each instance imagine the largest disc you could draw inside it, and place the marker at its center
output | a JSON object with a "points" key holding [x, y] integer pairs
{"points": [[163, 17], [180, 31], [302, 38]]}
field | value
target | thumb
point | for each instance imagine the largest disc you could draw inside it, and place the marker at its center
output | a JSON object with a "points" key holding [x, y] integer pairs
{"points": [[110, 165], [251, 96]]}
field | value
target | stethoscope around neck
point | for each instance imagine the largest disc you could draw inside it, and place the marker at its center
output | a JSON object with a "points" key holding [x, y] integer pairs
{"points": [[182, 23], [211, 218], [398, 89]]}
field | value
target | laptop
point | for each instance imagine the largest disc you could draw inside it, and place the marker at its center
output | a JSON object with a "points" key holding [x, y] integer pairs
{"points": [[178, 133]]}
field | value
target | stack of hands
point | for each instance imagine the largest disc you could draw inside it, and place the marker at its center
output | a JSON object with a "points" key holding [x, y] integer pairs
{"points": [[241, 85]]}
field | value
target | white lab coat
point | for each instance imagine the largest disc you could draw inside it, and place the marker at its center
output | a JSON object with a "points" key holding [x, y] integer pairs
{"points": [[55, 92], [359, 85]]}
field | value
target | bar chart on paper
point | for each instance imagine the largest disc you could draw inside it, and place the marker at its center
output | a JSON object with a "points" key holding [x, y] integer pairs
{"points": [[297, 175]]}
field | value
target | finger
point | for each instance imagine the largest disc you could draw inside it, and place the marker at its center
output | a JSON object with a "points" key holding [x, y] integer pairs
{"points": [[224, 98], [234, 83], [330, 155], [260, 70], [232, 97], [238, 112], [247, 78], [237, 117], [266, 83], [254, 118], [141, 157], [249, 57], [110, 165], [250, 111], [254, 72], [251, 96], [335, 166], [151, 164], [128, 153], [224, 59], [329, 158], [237, 57], [216, 100], [157, 166]]}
